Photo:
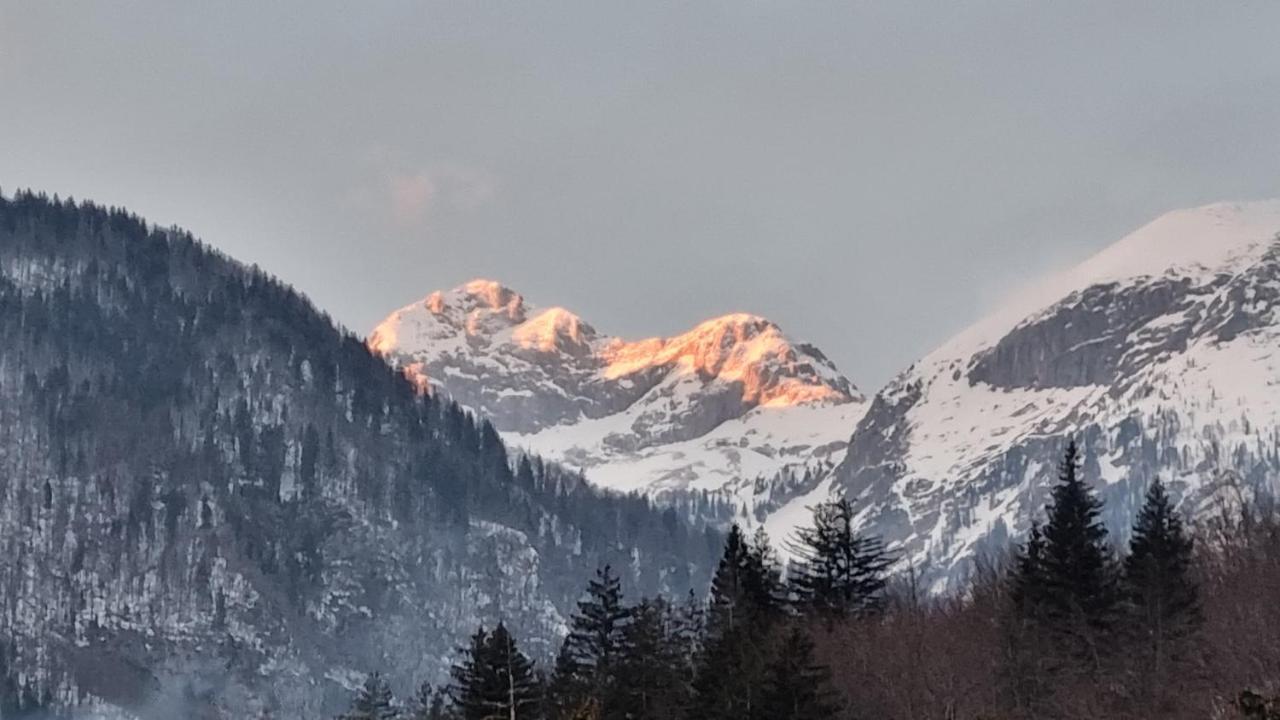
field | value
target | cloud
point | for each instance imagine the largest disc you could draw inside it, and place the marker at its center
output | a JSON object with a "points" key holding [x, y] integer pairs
{"points": [[411, 197], [415, 197]]}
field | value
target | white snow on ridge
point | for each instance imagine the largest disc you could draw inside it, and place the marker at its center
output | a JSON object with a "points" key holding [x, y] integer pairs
{"points": [[725, 407], [1207, 240], [733, 401], [1184, 409], [728, 459]]}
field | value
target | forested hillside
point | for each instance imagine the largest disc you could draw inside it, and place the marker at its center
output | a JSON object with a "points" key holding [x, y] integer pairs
{"points": [[215, 502], [1176, 623]]}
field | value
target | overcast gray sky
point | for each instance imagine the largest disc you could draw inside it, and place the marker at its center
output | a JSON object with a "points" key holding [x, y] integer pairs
{"points": [[872, 176]]}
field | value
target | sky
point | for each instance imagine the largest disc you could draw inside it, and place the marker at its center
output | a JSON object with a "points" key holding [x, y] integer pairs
{"points": [[873, 176]]}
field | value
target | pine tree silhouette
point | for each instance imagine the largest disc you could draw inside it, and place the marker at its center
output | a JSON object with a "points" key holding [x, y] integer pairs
{"points": [[1065, 587], [653, 666], [587, 665], [796, 687], [1078, 568], [495, 681], [1163, 598], [744, 608], [1029, 585], [838, 572]]}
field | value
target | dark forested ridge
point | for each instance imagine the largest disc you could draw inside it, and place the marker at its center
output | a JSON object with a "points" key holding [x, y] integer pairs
{"points": [[213, 499]]}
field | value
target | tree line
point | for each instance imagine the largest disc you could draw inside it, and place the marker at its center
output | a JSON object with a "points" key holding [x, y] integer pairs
{"points": [[1065, 627], [744, 653]]}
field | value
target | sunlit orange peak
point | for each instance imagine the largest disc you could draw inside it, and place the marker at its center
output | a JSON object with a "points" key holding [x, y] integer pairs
{"points": [[554, 329]]}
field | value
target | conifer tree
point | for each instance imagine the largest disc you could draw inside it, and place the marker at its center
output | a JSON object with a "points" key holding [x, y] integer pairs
{"points": [[741, 618], [373, 701], [586, 667], [567, 691], [1157, 583], [1064, 589], [1077, 566], [653, 666], [597, 631], [796, 687], [1028, 579], [838, 573], [1026, 682], [741, 590], [765, 578], [495, 681], [524, 474], [522, 695]]}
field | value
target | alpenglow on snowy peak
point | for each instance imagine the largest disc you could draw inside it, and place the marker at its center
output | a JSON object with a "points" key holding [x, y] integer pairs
{"points": [[717, 408], [1158, 355]]}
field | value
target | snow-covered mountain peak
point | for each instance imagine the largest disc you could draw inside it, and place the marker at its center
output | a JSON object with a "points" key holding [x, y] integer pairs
{"points": [[1195, 244], [472, 313], [716, 408], [555, 330], [740, 348], [484, 318], [480, 307], [1156, 354], [482, 293], [1217, 238]]}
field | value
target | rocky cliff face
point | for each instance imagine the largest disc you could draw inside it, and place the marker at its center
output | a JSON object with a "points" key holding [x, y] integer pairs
{"points": [[1158, 355], [721, 408], [214, 504]]}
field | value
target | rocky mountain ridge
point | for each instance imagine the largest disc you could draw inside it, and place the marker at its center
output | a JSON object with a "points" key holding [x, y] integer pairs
{"points": [[716, 409], [1156, 354]]}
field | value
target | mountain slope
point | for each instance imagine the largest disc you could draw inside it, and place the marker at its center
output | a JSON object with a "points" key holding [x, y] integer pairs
{"points": [[1158, 354], [715, 409], [213, 502]]}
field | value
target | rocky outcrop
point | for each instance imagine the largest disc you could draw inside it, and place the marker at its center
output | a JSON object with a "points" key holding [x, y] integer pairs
{"points": [[1157, 356], [719, 408]]}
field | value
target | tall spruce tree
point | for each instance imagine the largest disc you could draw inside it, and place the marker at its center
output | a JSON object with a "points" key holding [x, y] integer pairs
{"points": [[1065, 587], [838, 572], [495, 681], [744, 587], [796, 687], [743, 612], [586, 668], [654, 667], [1164, 599], [1077, 565], [766, 576], [373, 701]]}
